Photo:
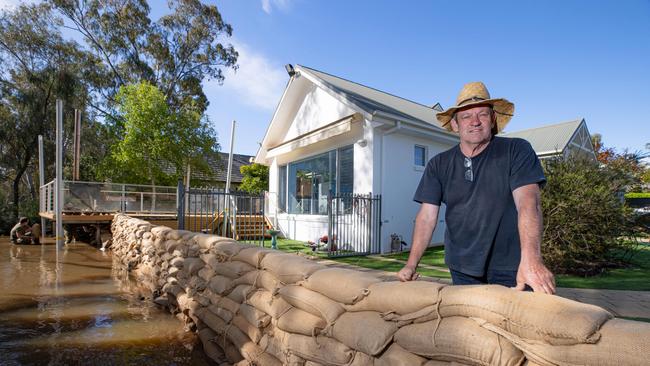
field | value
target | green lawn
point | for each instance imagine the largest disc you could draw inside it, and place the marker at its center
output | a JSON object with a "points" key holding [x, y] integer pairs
{"points": [[635, 277]]}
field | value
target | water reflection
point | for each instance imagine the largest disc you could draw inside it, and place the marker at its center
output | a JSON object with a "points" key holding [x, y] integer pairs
{"points": [[82, 312]]}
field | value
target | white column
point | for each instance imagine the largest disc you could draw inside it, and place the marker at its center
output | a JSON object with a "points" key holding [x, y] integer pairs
{"points": [[41, 182], [58, 198]]}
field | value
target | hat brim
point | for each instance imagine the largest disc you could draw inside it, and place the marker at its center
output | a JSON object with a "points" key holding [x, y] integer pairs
{"points": [[503, 109]]}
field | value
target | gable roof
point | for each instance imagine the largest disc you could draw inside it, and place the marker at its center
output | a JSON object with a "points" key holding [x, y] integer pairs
{"points": [[549, 139], [371, 100], [219, 168]]}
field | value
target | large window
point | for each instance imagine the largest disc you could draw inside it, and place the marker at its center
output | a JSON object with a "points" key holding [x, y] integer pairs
{"points": [[305, 184]]}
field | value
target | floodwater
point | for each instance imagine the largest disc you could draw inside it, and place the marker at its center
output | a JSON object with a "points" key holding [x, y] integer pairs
{"points": [[82, 313]]}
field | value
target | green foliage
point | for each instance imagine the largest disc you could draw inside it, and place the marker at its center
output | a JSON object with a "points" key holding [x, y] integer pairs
{"points": [[585, 221], [256, 178], [156, 143], [637, 195]]}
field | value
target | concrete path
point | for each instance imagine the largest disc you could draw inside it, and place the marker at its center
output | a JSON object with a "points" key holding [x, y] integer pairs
{"points": [[629, 304]]}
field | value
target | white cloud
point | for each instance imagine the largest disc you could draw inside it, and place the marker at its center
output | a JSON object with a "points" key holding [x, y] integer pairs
{"points": [[9, 4], [258, 81], [268, 5]]}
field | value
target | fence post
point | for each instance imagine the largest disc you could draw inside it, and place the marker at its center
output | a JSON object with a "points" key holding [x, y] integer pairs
{"points": [[180, 205]]}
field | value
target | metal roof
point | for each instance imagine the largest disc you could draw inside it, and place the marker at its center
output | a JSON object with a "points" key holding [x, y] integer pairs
{"points": [[549, 139], [371, 100]]}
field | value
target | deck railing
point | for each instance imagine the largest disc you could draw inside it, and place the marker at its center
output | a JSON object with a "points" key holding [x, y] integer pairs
{"points": [[95, 197]]}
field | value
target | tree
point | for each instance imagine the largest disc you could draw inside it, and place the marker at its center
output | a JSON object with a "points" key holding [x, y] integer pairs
{"points": [[156, 143], [38, 68], [175, 53], [256, 178], [628, 166]]}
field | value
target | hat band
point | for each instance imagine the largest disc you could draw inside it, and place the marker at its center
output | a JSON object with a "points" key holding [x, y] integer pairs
{"points": [[472, 99]]}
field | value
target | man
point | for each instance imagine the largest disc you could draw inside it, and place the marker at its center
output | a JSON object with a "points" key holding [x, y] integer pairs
{"points": [[23, 233], [491, 187]]}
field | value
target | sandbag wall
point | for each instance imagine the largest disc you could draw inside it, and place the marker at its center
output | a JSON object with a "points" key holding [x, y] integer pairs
{"points": [[255, 306]]}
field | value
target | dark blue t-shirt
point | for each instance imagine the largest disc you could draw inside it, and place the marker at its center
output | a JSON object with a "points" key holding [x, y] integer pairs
{"points": [[481, 215]]}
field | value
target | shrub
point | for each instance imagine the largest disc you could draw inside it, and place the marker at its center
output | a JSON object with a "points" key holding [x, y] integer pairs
{"points": [[586, 223]]}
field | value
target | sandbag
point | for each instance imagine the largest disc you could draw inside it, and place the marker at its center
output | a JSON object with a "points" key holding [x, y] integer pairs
{"points": [[289, 268], [215, 323], [250, 350], [193, 265], [160, 231], [206, 335], [364, 331], [312, 302], [211, 260], [401, 298], [258, 318], [458, 339], [221, 301], [247, 328], [300, 322], [206, 273], [529, 315], [220, 285], [234, 269], [176, 234], [622, 342], [264, 301], [221, 312], [252, 256], [398, 356], [227, 248], [260, 279], [320, 349], [273, 346], [343, 285], [240, 293]]}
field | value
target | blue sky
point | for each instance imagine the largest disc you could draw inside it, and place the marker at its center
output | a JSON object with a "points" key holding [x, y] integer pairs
{"points": [[556, 60]]}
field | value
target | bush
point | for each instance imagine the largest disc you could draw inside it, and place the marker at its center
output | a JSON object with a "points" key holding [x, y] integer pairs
{"points": [[587, 226]]}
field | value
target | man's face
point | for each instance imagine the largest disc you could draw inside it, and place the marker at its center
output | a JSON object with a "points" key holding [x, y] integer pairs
{"points": [[474, 124]]}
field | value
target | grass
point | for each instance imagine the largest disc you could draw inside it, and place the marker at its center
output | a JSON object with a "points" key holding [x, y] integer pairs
{"points": [[635, 277]]}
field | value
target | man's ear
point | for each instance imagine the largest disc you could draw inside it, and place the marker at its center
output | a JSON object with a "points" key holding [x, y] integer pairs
{"points": [[454, 125]]}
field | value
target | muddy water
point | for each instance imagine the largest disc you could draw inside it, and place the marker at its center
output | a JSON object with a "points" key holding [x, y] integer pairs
{"points": [[82, 312]]}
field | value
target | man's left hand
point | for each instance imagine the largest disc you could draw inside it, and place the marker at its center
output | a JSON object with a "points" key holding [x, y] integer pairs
{"points": [[535, 274]]}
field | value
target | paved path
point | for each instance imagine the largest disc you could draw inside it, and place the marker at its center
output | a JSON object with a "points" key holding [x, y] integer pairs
{"points": [[630, 304]]}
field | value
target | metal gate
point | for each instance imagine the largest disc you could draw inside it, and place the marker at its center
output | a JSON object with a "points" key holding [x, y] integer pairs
{"points": [[234, 214], [354, 224]]}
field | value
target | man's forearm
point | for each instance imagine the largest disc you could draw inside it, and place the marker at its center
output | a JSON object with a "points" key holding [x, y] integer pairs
{"points": [[424, 226], [530, 231]]}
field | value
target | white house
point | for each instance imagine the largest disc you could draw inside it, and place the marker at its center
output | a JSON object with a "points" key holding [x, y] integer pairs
{"points": [[559, 140], [331, 134]]}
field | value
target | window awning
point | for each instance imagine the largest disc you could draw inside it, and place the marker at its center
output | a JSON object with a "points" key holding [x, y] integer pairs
{"points": [[330, 130]]}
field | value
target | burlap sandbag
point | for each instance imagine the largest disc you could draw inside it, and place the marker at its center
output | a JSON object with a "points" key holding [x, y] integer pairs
{"points": [[622, 342], [253, 332], [312, 302], [362, 359], [215, 323], [343, 285], [176, 234], [258, 318], [206, 335], [221, 301], [300, 322], [529, 315], [260, 279], [221, 312], [401, 298], [364, 331], [228, 248], [289, 268], [211, 260], [206, 273], [206, 241], [266, 302], [233, 269], [240, 293], [220, 285], [320, 349], [250, 350], [458, 339], [160, 232], [193, 265], [231, 351], [273, 346], [252, 256], [398, 356]]}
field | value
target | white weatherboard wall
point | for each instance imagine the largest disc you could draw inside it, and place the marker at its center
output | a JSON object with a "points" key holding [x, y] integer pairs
{"points": [[400, 179]]}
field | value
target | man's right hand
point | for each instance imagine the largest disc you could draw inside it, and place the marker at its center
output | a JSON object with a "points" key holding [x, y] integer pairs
{"points": [[407, 273]]}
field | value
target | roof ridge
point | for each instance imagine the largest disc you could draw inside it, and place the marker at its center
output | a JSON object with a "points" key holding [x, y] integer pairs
{"points": [[371, 88], [579, 120]]}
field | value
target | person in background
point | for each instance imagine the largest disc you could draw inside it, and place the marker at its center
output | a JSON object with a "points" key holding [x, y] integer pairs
{"points": [[24, 233]]}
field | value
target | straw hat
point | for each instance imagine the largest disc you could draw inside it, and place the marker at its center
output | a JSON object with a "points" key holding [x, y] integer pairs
{"points": [[476, 93]]}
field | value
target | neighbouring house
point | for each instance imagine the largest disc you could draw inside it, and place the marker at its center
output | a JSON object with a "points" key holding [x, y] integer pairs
{"points": [[559, 140], [329, 134], [219, 171]]}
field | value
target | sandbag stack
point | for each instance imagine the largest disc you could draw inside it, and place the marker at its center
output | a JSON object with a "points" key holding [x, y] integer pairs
{"points": [[255, 306]]}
